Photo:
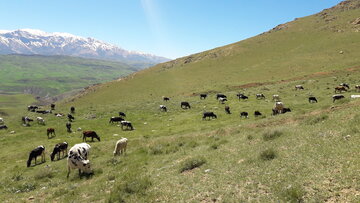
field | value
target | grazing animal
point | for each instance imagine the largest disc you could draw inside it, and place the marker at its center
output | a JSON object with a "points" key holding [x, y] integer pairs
{"points": [[185, 105], [52, 106], [1, 121], [40, 150], [340, 89], [222, 100], [50, 131], [70, 117], [203, 96], [166, 99], [126, 124], [354, 96], [72, 110], [44, 111], [260, 96], [91, 134], [276, 97], [227, 109], [60, 147], [357, 87], [163, 108], [286, 110], [40, 120], [242, 96], [115, 119], [208, 115], [220, 96], [59, 114], [244, 114], [345, 85], [337, 97], [26, 120], [312, 100], [120, 146], [32, 108], [299, 87], [122, 114], [68, 127], [257, 113], [279, 106], [3, 127], [78, 158]]}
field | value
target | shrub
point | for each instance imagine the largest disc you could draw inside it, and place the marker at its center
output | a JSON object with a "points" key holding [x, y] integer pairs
{"points": [[293, 194], [268, 154], [192, 163], [271, 135], [250, 137]]}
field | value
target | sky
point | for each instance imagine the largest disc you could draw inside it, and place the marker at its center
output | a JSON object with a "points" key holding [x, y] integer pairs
{"points": [[169, 28]]}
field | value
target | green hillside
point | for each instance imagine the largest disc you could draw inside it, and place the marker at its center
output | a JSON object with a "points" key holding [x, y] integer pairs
{"points": [[307, 155], [53, 75]]}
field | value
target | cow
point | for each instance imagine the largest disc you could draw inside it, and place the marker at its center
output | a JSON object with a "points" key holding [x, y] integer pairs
{"points": [[52, 106], [208, 115], [185, 105], [40, 150], [242, 96], [40, 120], [122, 114], [115, 119], [26, 120], [244, 114], [68, 127], [50, 131], [227, 109], [286, 110], [72, 110], [279, 106], [70, 117], [163, 108], [60, 147], [78, 158], [3, 127], [59, 114], [203, 96], [357, 87], [276, 97], [340, 89], [299, 87], [354, 96], [312, 100], [260, 96], [91, 134], [2, 121], [222, 100], [345, 85], [166, 99], [220, 96], [44, 111], [126, 124], [257, 113], [32, 108], [120, 146], [337, 97]]}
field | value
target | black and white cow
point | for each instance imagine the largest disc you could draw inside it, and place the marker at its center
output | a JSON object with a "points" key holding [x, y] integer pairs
{"points": [[26, 120], [70, 117], [126, 124], [220, 96], [312, 100], [3, 127], [52, 106], [257, 113], [115, 119], [60, 147], [163, 108], [222, 100], [260, 96], [337, 97], [72, 110], [78, 158], [209, 115], [68, 127], [345, 85], [122, 114], [244, 114], [242, 96], [32, 108], [185, 105], [299, 87], [40, 150], [203, 96]]}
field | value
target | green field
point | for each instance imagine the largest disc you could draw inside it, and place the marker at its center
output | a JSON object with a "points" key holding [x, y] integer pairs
{"points": [[307, 155], [53, 75]]}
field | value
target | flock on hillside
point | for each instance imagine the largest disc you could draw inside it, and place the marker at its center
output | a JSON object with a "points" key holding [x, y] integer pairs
{"points": [[77, 156]]}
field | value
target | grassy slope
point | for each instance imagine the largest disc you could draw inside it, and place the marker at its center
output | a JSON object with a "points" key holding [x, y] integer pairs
{"points": [[55, 74], [315, 159]]}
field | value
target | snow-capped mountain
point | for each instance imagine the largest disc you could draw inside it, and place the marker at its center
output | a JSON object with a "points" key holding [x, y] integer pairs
{"points": [[30, 41]]}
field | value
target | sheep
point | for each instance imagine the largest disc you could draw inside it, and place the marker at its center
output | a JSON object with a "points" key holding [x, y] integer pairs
{"points": [[276, 97], [40, 120], [120, 147]]}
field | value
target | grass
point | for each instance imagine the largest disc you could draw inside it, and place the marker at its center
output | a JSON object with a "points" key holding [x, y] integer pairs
{"points": [[304, 155]]}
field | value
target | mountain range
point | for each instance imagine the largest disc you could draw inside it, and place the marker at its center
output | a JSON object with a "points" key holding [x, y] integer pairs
{"points": [[37, 42]]}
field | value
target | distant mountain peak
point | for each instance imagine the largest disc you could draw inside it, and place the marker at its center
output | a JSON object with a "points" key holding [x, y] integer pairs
{"points": [[33, 41]]}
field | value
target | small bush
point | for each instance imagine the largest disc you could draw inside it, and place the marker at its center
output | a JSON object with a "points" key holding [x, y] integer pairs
{"points": [[271, 135], [250, 137], [293, 194], [268, 154], [192, 163]]}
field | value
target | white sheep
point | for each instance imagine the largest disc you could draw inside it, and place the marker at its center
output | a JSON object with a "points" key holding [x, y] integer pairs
{"points": [[40, 120], [120, 146]]}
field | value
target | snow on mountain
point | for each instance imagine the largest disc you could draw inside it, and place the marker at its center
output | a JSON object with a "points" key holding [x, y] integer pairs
{"points": [[30, 41]]}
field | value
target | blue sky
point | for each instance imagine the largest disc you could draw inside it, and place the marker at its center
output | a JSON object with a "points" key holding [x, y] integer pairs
{"points": [[170, 28]]}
